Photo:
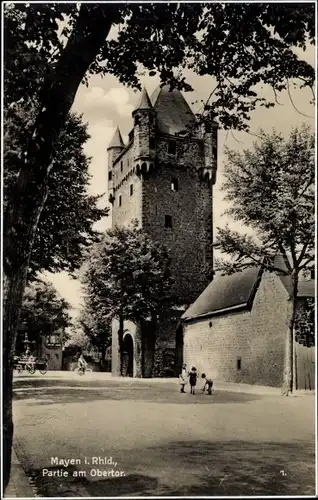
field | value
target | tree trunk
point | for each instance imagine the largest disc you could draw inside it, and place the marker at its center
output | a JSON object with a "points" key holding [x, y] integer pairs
{"points": [[120, 344], [138, 351], [153, 341], [288, 383], [24, 207]]}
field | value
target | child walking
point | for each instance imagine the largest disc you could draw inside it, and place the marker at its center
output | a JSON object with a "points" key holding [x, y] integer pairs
{"points": [[193, 379], [183, 377]]}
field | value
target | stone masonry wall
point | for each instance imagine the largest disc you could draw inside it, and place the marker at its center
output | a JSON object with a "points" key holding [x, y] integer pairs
{"points": [[190, 238], [257, 337]]}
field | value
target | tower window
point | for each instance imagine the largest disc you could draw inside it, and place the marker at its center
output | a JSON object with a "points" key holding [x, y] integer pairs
{"points": [[119, 200], [312, 274], [172, 147], [174, 184], [214, 152], [121, 166], [238, 363], [131, 189], [110, 175], [152, 143], [168, 221]]}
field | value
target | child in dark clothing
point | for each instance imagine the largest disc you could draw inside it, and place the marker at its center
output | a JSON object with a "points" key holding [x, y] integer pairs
{"points": [[208, 384], [193, 379]]}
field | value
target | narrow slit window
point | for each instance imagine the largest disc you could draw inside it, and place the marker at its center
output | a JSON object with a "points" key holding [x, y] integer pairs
{"points": [[110, 176], [119, 200], [152, 143], [214, 152], [131, 189], [121, 166], [168, 221], [174, 184], [172, 147], [238, 364], [312, 274]]}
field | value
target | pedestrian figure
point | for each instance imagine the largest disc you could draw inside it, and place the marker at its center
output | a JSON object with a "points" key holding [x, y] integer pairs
{"points": [[193, 379], [183, 377], [208, 384]]}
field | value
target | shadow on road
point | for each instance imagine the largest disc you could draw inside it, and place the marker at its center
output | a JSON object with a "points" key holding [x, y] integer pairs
{"points": [[200, 468], [55, 392]]}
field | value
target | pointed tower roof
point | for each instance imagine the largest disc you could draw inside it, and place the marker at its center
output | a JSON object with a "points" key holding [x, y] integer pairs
{"points": [[173, 111], [117, 140], [144, 102]]}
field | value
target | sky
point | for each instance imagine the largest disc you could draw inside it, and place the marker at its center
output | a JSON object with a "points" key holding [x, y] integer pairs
{"points": [[106, 104]]}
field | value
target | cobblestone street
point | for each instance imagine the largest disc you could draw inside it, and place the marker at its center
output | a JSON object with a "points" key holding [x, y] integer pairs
{"points": [[98, 436]]}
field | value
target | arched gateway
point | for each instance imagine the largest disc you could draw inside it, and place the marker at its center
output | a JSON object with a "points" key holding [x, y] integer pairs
{"points": [[128, 355]]}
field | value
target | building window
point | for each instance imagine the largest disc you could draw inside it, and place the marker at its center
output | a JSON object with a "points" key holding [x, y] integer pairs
{"points": [[121, 166], [152, 143], [174, 184], [52, 340], [110, 176], [119, 200], [131, 189], [172, 147], [127, 162], [312, 274], [210, 324], [168, 221], [238, 363], [214, 152]]}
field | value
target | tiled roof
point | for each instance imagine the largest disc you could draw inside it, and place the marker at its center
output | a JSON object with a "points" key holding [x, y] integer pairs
{"points": [[237, 291], [306, 288], [144, 102], [225, 292], [117, 140], [173, 112]]}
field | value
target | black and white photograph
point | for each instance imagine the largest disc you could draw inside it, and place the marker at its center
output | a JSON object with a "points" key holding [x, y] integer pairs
{"points": [[159, 249]]}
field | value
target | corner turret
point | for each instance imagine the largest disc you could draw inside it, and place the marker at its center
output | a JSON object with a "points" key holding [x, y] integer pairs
{"points": [[114, 149], [144, 133]]}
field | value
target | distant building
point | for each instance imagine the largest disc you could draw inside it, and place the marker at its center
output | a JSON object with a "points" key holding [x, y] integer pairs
{"points": [[236, 330], [51, 349], [164, 178]]}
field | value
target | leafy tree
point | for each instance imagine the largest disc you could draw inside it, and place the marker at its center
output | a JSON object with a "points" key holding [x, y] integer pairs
{"points": [[43, 312], [96, 326], [272, 191], [66, 222], [159, 37], [305, 322], [77, 340], [127, 277]]}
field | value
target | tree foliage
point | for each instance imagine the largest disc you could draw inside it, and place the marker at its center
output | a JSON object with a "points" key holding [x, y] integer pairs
{"points": [[240, 46], [44, 312], [305, 322], [272, 191], [127, 274], [66, 224]]}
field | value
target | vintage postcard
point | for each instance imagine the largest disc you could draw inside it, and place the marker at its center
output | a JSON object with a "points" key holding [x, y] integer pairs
{"points": [[159, 252]]}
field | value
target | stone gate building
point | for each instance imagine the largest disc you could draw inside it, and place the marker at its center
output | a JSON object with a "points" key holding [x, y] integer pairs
{"points": [[164, 178]]}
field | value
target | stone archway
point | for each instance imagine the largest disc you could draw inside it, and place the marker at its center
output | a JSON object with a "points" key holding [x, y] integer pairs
{"points": [[127, 355]]}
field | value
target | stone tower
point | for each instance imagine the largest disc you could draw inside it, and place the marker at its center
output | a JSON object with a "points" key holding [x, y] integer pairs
{"points": [[164, 178]]}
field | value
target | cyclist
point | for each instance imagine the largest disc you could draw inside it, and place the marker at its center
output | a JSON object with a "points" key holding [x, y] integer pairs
{"points": [[81, 363]]}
